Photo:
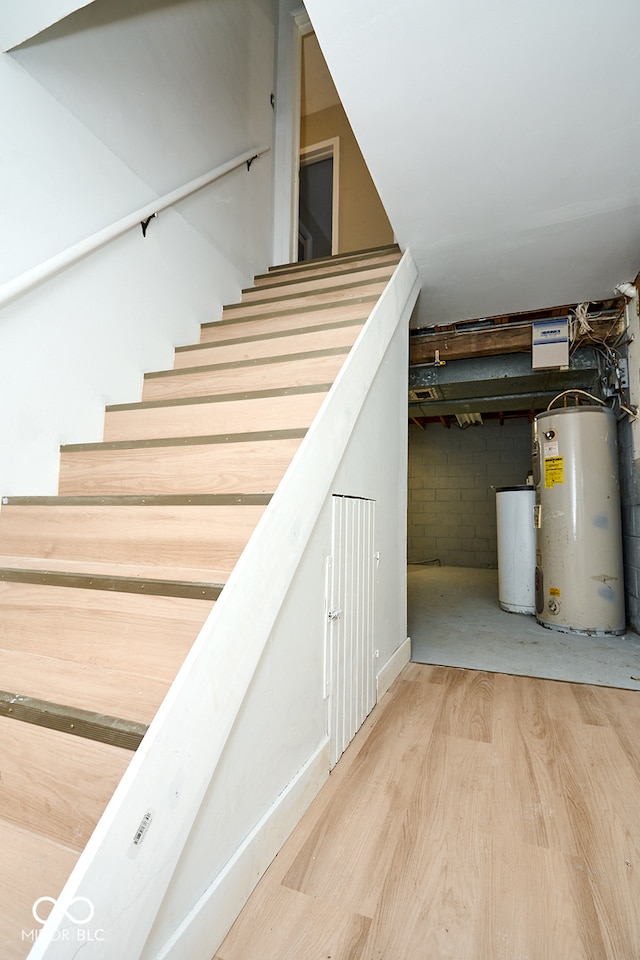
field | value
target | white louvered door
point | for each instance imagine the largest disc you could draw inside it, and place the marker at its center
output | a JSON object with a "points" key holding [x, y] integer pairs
{"points": [[350, 646]]}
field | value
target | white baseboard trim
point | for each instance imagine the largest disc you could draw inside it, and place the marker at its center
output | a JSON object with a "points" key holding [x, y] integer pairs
{"points": [[392, 667], [205, 927]]}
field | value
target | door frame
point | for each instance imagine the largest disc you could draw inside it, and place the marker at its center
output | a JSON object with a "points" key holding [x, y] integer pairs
{"points": [[326, 150], [349, 685], [294, 24]]}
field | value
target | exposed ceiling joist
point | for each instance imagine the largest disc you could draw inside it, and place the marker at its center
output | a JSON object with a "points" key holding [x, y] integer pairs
{"points": [[502, 335]]}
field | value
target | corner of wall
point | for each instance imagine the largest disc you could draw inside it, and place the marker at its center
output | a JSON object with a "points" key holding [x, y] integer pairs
{"points": [[393, 667]]}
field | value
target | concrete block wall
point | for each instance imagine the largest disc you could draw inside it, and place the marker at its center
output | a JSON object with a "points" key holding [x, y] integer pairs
{"points": [[453, 474]]}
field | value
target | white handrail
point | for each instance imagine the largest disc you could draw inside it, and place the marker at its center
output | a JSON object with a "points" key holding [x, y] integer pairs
{"points": [[26, 281]]}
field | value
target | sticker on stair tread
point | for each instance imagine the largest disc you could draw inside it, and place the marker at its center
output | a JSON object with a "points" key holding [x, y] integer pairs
{"points": [[553, 471], [141, 833]]}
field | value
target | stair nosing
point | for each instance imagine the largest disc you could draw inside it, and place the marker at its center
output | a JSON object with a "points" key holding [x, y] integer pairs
{"points": [[75, 721], [142, 500], [291, 312], [222, 397], [257, 436], [148, 586], [320, 277], [272, 335], [341, 258], [256, 362], [303, 294]]}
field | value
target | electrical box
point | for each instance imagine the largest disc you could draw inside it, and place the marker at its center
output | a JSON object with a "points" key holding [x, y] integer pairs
{"points": [[550, 343]]}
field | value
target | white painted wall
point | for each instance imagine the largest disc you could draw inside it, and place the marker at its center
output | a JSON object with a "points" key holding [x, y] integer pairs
{"points": [[20, 21], [120, 103]]}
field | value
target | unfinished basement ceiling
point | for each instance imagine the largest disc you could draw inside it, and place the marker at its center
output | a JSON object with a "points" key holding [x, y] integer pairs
{"points": [[504, 140], [488, 366]]}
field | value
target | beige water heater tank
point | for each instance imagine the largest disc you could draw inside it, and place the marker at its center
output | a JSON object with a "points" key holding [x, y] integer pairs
{"points": [[579, 567]]}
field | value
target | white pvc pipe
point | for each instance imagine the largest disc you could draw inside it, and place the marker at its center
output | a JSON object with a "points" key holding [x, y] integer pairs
{"points": [[26, 281]]}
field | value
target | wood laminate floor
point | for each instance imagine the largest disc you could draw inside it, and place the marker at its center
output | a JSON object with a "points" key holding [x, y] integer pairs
{"points": [[476, 816]]}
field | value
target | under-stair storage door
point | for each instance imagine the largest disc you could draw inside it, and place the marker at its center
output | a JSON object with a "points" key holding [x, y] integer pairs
{"points": [[350, 631]]}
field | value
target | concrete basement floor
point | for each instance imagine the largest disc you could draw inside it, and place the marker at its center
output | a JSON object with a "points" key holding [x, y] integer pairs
{"points": [[455, 620]]}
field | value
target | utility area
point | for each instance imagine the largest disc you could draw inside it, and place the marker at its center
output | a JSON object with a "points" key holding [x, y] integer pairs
{"points": [[521, 495]]}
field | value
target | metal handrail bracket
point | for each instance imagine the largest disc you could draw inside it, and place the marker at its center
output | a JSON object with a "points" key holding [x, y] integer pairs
{"points": [[39, 274]]}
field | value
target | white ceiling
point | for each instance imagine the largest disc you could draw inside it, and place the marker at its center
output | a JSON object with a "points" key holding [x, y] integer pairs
{"points": [[503, 138]]}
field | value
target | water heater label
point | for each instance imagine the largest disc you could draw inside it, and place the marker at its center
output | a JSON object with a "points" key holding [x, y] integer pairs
{"points": [[551, 449], [554, 592], [553, 471]]}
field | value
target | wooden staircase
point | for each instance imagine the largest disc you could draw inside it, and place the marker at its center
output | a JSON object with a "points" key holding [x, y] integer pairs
{"points": [[104, 587]]}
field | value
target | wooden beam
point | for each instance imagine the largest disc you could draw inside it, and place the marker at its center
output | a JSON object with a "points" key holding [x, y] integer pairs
{"points": [[503, 338]]}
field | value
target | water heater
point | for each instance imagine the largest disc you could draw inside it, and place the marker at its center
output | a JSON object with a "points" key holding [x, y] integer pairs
{"points": [[579, 570], [516, 548]]}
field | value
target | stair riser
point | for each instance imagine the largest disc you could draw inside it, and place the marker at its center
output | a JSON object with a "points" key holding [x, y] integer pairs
{"points": [[249, 467], [114, 654], [212, 333], [54, 784], [112, 693], [201, 419], [293, 301], [279, 375], [326, 268], [205, 537], [285, 286], [145, 636], [250, 350], [33, 867]]}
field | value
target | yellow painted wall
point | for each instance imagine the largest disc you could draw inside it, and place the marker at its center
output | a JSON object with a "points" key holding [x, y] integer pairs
{"points": [[362, 221]]}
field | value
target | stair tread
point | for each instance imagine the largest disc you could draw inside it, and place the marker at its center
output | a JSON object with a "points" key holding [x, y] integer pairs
{"points": [[341, 258], [33, 867], [305, 371], [85, 686], [140, 636], [270, 336], [184, 417], [267, 306], [269, 344], [279, 320], [283, 288], [254, 466], [215, 398], [104, 529], [251, 365], [55, 784]]}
